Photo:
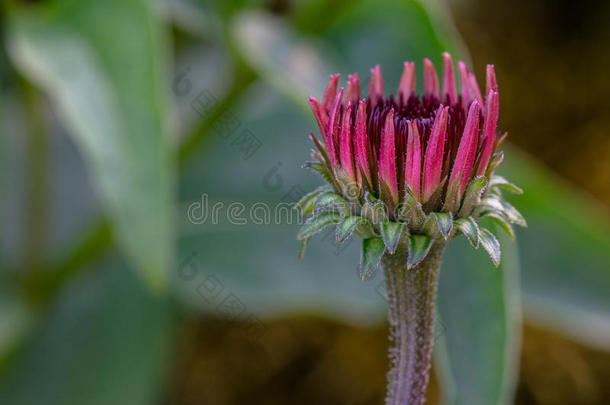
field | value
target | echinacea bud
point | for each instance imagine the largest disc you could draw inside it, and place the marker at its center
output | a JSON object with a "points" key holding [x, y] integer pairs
{"points": [[407, 174], [418, 162]]}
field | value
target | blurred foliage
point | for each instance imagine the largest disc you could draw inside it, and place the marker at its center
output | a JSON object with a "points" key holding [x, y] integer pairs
{"points": [[79, 327]]}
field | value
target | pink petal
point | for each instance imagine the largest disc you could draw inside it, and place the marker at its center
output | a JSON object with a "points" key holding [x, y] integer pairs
{"points": [[491, 82], [449, 78], [433, 161], [376, 85], [352, 93], [430, 79], [413, 161], [321, 117], [333, 129], [362, 143], [467, 94], [330, 92], [407, 82], [474, 87], [488, 138], [464, 159], [345, 143], [387, 156]]}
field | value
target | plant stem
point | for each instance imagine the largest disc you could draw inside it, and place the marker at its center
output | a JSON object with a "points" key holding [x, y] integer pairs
{"points": [[37, 190], [411, 300]]}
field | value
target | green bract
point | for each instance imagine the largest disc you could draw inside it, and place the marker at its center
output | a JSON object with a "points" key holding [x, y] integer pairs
{"points": [[383, 229]]}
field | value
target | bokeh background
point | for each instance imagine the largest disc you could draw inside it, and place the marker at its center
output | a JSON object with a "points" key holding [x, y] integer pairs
{"points": [[117, 116]]}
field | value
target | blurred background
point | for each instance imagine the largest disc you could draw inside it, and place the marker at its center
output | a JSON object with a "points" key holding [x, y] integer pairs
{"points": [[121, 120]]}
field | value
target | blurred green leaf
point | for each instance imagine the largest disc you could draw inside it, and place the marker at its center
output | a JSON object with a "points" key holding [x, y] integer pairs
{"points": [[106, 341], [565, 253], [478, 346], [103, 63], [294, 65]]}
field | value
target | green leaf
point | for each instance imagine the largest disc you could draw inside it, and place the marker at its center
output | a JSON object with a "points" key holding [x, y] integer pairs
{"points": [[470, 229], [501, 182], [316, 223], [112, 96], [482, 369], [391, 233], [372, 250], [347, 226], [105, 341], [491, 245], [472, 195], [419, 246], [439, 224]]}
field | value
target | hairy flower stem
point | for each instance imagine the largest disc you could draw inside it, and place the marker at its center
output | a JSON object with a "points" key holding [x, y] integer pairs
{"points": [[411, 300]]}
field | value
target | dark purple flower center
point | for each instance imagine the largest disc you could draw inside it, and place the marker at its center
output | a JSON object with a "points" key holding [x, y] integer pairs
{"points": [[422, 110]]}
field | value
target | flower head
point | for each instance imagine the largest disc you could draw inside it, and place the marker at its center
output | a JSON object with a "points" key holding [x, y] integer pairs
{"points": [[422, 161]]}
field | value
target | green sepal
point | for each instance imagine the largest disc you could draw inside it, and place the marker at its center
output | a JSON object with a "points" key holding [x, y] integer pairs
{"points": [[302, 247], [419, 246], [439, 224], [491, 203], [365, 230], [306, 202], [495, 160], [470, 229], [318, 222], [374, 210], [320, 169], [472, 195], [513, 215], [391, 233], [502, 222], [405, 207], [372, 250], [349, 188], [501, 182], [331, 201], [491, 245], [347, 226]]}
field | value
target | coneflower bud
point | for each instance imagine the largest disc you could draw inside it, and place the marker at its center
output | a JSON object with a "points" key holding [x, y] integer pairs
{"points": [[408, 173]]}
